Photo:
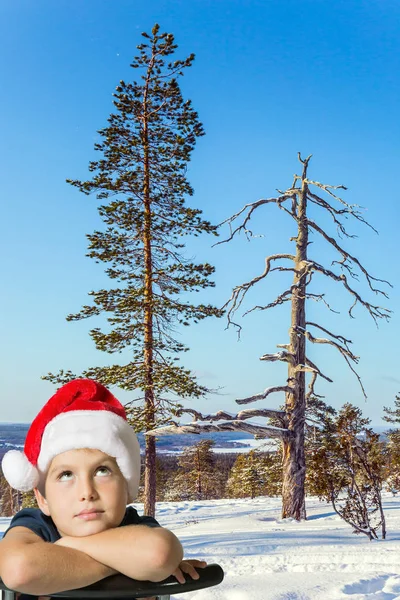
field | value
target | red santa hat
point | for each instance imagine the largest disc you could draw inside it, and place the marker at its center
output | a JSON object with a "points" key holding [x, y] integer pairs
{"points": [[81, 414]]}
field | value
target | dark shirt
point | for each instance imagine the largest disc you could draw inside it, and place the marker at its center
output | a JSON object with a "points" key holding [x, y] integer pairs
{"points": [[44, 527]]}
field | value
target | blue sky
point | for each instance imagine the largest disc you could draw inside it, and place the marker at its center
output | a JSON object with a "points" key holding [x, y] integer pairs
{"points": [[270, 78]]}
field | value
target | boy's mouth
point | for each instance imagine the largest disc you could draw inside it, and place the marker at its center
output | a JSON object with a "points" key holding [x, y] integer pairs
{"points": [[90, 514]]}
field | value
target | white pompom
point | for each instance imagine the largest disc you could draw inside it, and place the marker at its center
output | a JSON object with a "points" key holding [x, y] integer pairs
{"points": [[19, 472]]}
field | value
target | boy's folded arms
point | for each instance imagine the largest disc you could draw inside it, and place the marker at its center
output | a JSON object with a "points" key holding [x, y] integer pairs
{"points": [[137, 551]]}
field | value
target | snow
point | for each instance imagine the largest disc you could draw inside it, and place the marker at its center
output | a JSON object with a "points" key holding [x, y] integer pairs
{"points": [[267, 558]]}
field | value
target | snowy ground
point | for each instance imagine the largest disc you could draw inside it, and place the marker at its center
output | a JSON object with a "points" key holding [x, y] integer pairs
{"points": [[265, 558]]}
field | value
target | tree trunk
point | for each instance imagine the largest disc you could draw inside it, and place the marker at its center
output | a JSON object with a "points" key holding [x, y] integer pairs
{"points": [[150, 458], [149, 477], [198, 481], [294, 466]]}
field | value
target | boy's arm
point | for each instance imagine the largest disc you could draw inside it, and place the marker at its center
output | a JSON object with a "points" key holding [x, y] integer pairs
{"points": [[138, 551], [32, 566]]}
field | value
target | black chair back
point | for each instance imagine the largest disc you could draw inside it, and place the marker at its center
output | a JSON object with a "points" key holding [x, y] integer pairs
{"points": [[119, 587]]}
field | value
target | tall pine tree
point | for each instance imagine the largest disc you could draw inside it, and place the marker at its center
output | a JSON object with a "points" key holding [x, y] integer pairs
{"points": [[141, 178]]}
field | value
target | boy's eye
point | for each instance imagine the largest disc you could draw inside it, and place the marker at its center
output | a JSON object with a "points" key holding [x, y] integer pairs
{"points": [[64, 476], [102, 471]]}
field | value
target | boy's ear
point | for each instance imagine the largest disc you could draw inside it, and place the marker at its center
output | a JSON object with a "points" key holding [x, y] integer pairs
{"points": [[42, 502]]}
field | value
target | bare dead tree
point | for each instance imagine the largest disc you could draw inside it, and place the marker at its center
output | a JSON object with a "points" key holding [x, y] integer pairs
{"points": [[295, 202]]}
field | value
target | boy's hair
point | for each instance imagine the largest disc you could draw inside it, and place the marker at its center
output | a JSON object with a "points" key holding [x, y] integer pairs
{"points": [[81, 414]]}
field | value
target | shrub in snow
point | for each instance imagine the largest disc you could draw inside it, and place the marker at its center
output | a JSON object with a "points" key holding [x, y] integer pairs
{"points": [[348, 463]]}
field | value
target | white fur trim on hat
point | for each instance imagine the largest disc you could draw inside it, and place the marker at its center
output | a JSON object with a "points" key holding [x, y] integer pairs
{"points": [[19, 472], [98, 429]]}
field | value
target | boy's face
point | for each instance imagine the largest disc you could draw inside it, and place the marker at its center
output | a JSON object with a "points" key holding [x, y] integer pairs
{"points": [[84, 480]]}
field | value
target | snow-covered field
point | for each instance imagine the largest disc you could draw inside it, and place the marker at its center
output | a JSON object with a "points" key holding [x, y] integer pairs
{"points": [[266, 558]]}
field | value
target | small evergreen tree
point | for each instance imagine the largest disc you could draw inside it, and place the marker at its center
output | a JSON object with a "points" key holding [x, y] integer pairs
{"points": [[141, 175], [197, 477], [393, 445], [247, 477], [392, 415], [350, 459], [320, 427], [273, 472], [255, 474]]}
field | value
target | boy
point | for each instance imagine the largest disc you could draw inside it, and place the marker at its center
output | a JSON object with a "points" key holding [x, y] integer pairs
{"points": [[82, 460]]}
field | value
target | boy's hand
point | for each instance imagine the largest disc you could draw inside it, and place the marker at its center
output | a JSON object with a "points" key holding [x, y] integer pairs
{"points": [[189, 567]]}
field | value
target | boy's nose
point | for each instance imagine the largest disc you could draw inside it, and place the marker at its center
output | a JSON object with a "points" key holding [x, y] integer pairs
{"points": [[87, 490]]}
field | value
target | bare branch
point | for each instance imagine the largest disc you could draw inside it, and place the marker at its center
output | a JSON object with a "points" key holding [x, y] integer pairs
{"points": [[240, 291], [310, 367], [349, 210], [325, 204], [265, 393], [342, 339], [242, 415], [197, 416], [283, 356], [344, 264], [333, 212], [291, 212], [249, 413], [348, 256], [327, 188], [256, 430], [321, 297], [343, 350], [311, 392], [283, 269], [305, 161], [251, 207], [356, 374], [286, 296], [376, 312]]}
